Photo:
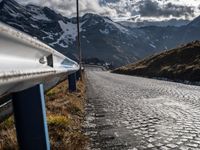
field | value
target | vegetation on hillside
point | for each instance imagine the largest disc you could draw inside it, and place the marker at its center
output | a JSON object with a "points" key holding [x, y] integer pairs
{"points": [[65, 114], [179, 64]]}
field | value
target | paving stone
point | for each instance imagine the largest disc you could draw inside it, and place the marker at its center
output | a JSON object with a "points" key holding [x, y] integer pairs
{"points": [[184, 148], [171, 145], [165, 148], [192, 145], [159, 144], [197, 142], [146, 113], [151, 139], [150, 145], [179, 143], [133, 148]]}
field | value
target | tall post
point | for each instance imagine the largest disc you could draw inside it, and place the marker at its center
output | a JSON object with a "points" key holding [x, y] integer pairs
{"points": [[78, 75], [78, 38], [72, 82], [30, 119]]}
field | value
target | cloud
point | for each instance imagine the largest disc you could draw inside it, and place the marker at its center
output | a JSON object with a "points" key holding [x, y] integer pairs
{"points": [[68, 7], [154, 9], [109, 1], [125, 9]]}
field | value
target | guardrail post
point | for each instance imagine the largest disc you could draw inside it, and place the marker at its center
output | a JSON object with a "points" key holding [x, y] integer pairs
{"points": [[72, 82], [30, 119], [78, 75]]}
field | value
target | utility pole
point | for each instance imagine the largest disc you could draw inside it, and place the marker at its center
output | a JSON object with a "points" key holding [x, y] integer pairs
{"points": [[78, 38]]}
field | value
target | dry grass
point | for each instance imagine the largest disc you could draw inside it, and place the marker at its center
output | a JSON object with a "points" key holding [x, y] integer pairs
{"points": [[65, 115], [8, 139]]}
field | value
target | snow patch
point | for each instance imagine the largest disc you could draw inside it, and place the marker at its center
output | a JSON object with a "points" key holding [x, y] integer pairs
{"points": [[69, 29], [68, 35], [34, 26], [12, 12], [105, 31], [40, 17], [152, 45]]}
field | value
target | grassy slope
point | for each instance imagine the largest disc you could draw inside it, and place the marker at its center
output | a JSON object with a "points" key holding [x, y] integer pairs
{"points": [[182, 63], [65, 114]]}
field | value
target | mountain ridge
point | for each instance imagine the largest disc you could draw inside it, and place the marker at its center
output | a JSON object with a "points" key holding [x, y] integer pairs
{"points": [[100, 36]]}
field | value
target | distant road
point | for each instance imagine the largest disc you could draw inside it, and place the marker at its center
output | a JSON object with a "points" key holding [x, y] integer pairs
{"points": [[95, 67], [125, 112]]}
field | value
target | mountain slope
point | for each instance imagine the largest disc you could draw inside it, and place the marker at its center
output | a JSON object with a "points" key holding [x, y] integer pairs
{"points": [[60, 32], [42, 23], [100, 36], [182, 63]]}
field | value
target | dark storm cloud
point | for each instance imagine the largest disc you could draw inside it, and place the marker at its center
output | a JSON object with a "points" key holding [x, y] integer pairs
{"points": [[68, 7], [148, 8], [123, 9]]}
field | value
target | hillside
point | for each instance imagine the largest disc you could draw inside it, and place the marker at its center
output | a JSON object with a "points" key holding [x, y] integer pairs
{"points": [[182, 63]]}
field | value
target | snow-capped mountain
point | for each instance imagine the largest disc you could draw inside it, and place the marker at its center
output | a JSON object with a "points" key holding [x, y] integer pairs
{"points": [[100, 36]]}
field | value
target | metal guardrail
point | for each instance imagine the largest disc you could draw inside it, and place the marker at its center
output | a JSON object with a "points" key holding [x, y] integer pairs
{"points": [[28, 67], [25, 61]]}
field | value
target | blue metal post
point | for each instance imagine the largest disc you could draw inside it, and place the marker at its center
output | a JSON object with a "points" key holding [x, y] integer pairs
{"points": [[78, 75], [30, 119], [72, 82]]}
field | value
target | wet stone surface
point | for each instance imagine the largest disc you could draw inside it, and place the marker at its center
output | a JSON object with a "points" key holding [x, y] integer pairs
{"points": [[133, 113]]}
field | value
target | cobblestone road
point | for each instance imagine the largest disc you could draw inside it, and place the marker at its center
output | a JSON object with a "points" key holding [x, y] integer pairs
{"points": [[133, 113]]}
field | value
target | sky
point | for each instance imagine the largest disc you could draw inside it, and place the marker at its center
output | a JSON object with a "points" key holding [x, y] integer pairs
{"points": [[137, 10]]}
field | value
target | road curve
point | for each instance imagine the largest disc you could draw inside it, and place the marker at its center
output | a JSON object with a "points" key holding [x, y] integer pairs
{"points": [[133, 113]]}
